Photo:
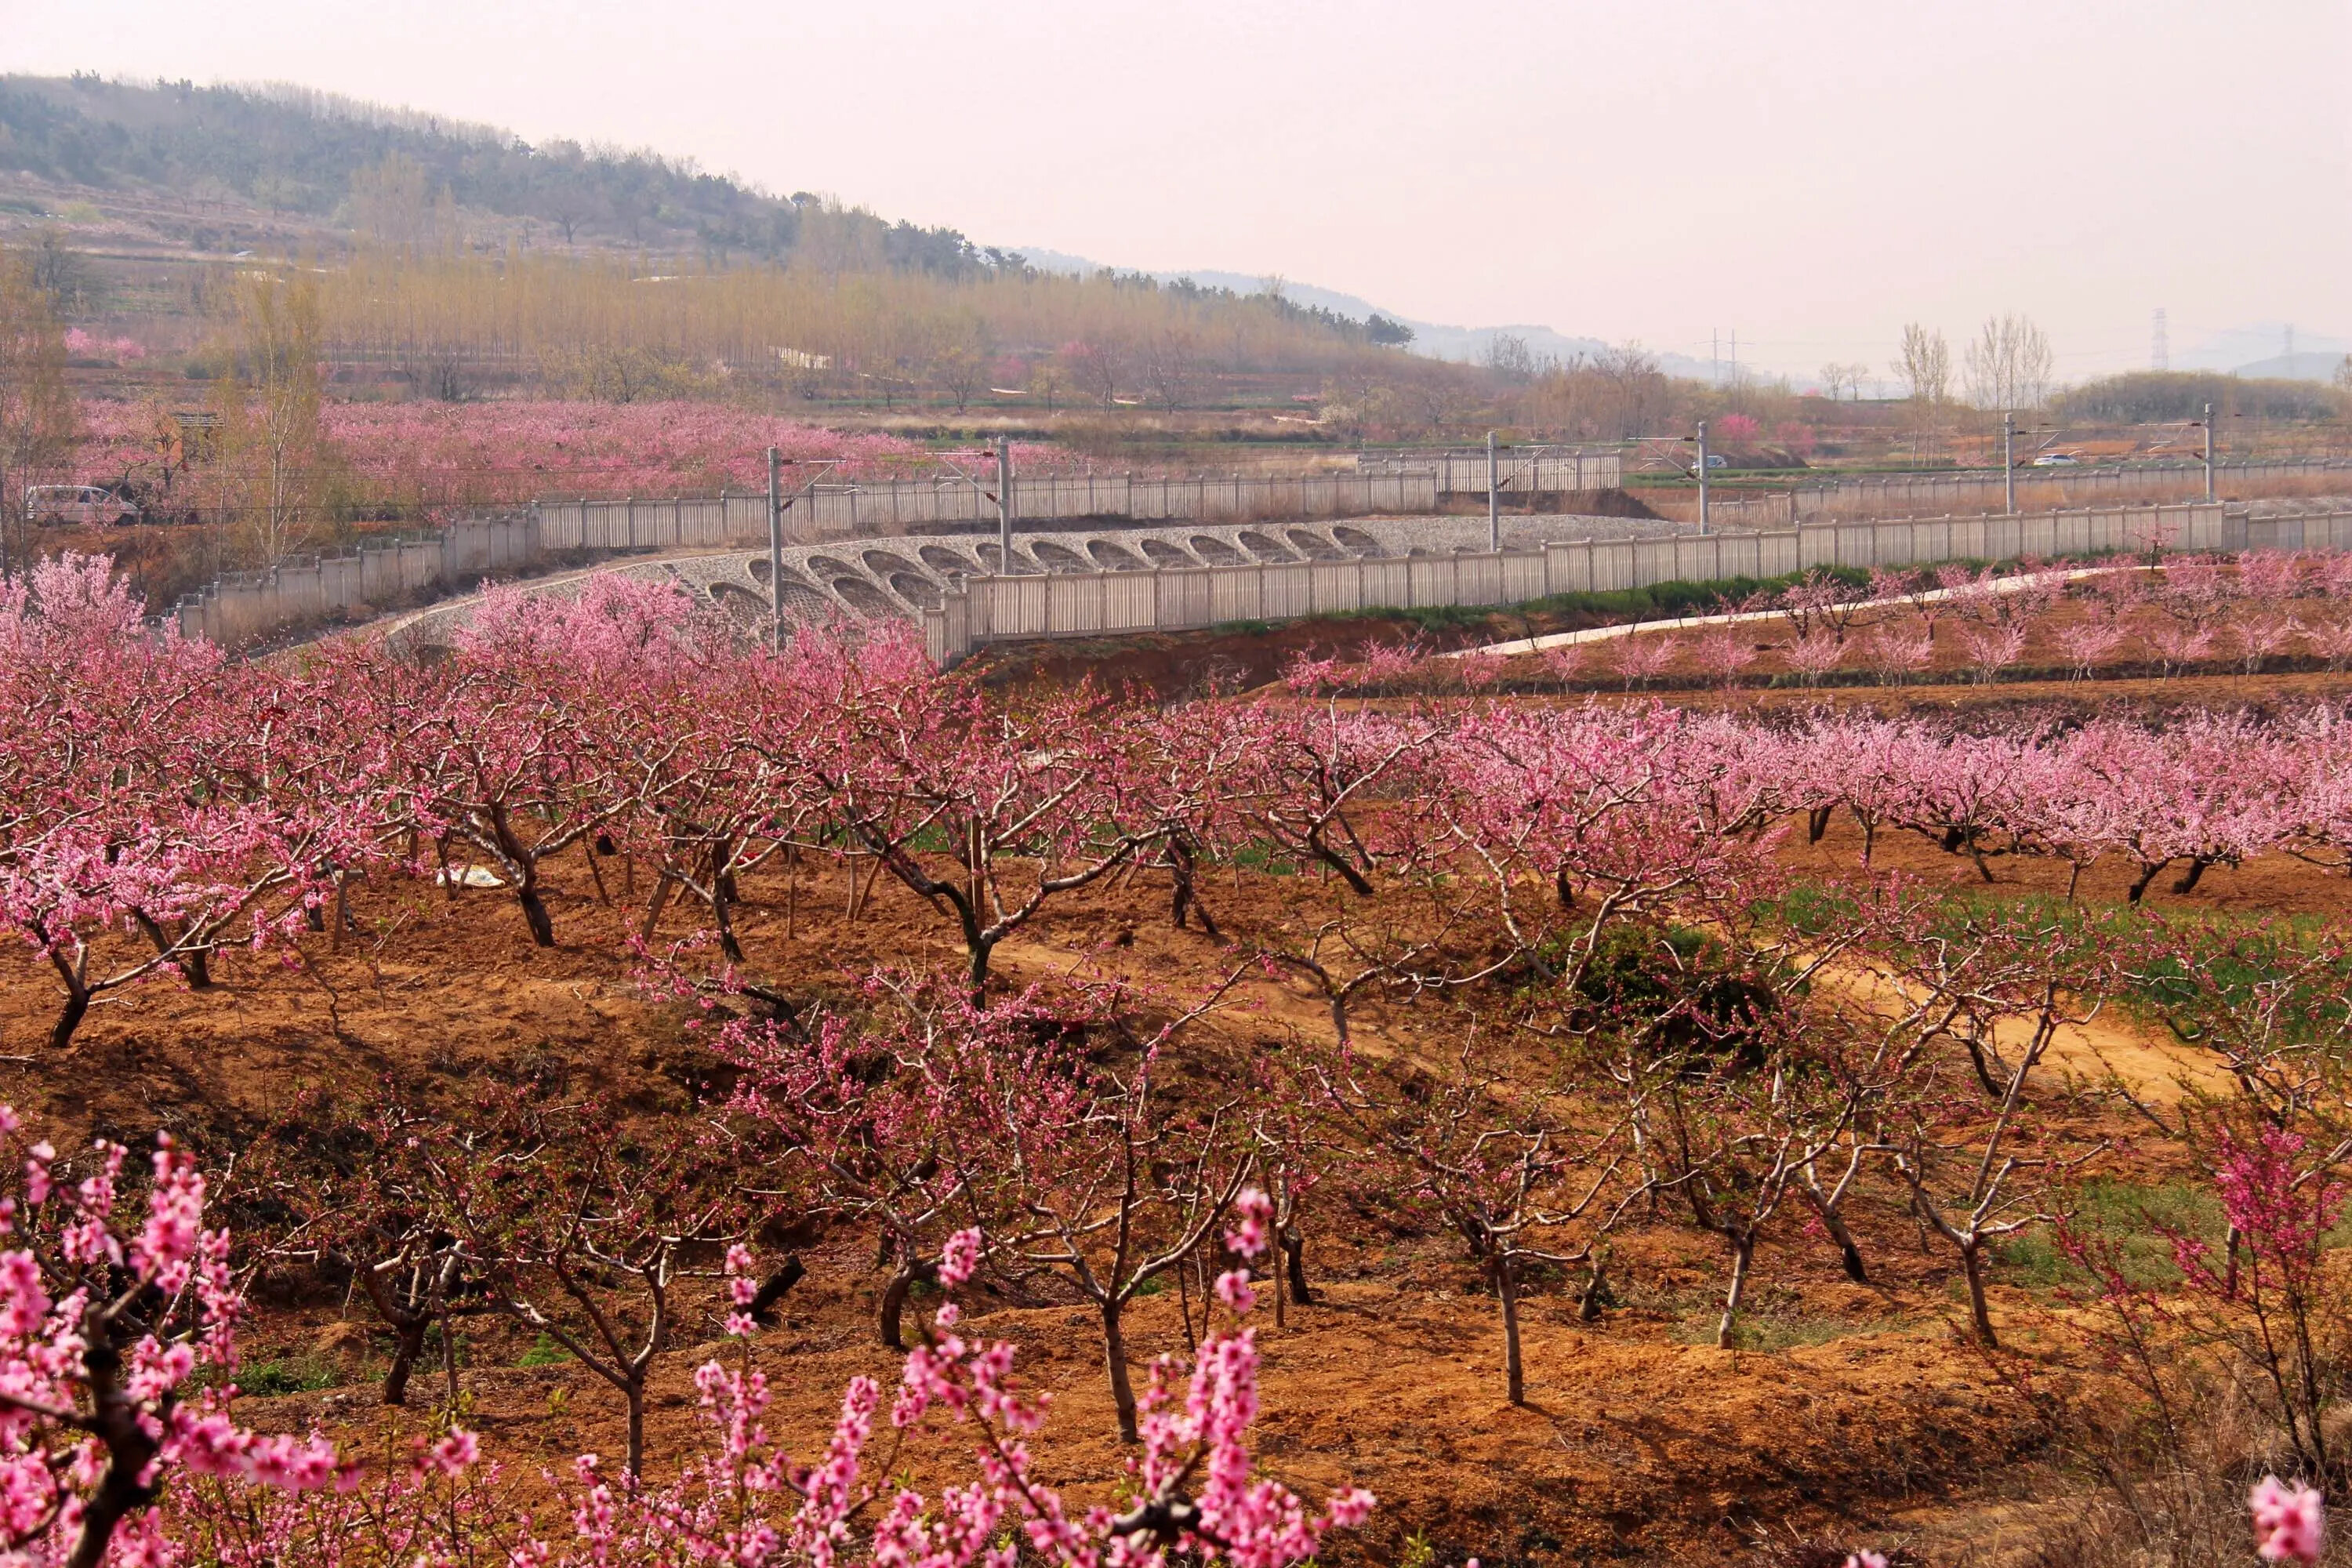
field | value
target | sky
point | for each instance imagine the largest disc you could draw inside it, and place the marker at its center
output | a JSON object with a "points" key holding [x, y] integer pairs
{"points": [[1809, 174]]}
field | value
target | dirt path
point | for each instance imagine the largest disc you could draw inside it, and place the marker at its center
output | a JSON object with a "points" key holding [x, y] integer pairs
{"points": [[2110, 1047], [2016, 584]]}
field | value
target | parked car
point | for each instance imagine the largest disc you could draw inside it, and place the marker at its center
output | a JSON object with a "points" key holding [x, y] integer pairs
{"points": [[1717, 460], [2056, 460], [78, 506]]}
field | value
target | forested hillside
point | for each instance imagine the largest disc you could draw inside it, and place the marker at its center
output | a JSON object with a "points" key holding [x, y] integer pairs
{"points": [[295, 151]]}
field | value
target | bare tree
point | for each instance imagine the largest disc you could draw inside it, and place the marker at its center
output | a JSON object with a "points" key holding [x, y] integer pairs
{"points": [[392, 203], [272, 442], [1050, 382], [38, 422], [1926, 366], [1099, 366], [1839, 375], [1171, 366], [2009, 363], [1507, 355], [1636, 387], [961, 361]]}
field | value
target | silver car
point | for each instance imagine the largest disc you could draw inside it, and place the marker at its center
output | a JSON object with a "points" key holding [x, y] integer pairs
{"points": [[78, 506]]}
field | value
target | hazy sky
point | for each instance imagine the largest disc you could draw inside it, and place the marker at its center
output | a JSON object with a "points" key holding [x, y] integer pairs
{"points": [[1812, 174]]}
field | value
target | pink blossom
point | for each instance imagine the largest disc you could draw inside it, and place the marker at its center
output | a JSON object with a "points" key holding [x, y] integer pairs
{"points": [[959, 1257], [2290, 1522], [1253, 1211]]}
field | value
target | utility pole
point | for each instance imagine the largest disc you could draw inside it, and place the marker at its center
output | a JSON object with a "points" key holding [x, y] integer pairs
{"points": [[1702, 476], [776, 548], [1004, 506], [2209, 453], [1494, 501], [2009, 462]]}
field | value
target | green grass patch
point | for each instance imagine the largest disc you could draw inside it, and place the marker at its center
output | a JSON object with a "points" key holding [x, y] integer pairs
{"points": [[294, 1374], [544, 1352], [1775, 1322], [2223, 959], [1659, 601], [2139, 1218], [1261, 856]]}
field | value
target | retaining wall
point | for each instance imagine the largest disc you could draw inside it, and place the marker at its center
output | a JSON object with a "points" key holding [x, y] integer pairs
{"points": [[907, 506], [999, 609], [1984, 490], [237, 610], [1539, 472]]}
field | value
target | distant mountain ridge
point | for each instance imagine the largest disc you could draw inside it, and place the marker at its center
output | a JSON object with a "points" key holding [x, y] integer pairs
{"points": [[2261, 350]]}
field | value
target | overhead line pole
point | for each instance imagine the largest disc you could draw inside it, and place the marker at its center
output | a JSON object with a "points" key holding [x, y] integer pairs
{"points": [[1702, 478], [776, 548], [1004, 506], [1493, 500], [2209, 453], [2009, 462]]}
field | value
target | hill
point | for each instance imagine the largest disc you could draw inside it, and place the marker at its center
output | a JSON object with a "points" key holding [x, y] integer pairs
{"points": [[304, 154]]}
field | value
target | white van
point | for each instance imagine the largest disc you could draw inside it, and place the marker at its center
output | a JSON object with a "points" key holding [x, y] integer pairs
{"points": [[78, 506]]}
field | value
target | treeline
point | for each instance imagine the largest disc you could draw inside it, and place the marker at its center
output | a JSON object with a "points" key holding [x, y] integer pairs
{"points": [[2146, 395], [600, 327]]}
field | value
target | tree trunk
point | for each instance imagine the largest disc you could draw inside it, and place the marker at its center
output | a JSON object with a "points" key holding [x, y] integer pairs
{"points": [[129, 1455], [636, 1393], [890, 1315], [534, 908], [2146, 874], [655, 905], [1596, 1289], [1849, 1249], [1515, 1380], [195, 964], [1743, 1253], [1294, 1259], [1186, 897], [405, 1358], [723, 894], [1980, 1315], [1122, 1391], [2188, 881], [77, 1007], [1817, 822]]}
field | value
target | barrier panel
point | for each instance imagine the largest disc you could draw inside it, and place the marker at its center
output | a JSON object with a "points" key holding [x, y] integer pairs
{"points": [[898, 507], [1084, 603], [1986, 490], [241, 609]]}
